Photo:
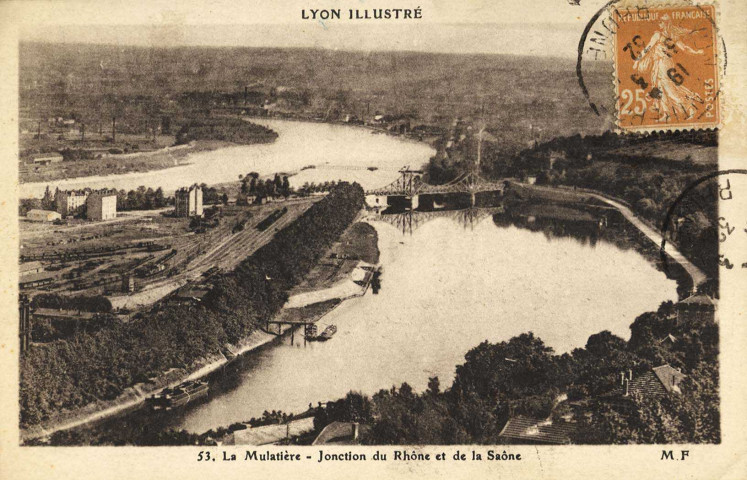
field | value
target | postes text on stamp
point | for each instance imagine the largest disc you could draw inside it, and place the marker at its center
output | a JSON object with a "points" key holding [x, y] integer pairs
{"points": [[666, 68]]}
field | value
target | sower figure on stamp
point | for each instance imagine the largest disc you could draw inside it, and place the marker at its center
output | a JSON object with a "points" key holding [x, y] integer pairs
{"points": [[669, 94]]}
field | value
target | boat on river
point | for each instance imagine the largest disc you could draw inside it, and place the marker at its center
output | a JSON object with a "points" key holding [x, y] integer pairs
{"points": [[324, 336], [170, 398]]}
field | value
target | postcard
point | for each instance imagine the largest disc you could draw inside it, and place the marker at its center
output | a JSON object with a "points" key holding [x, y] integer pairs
{"points": [[365, 238]]}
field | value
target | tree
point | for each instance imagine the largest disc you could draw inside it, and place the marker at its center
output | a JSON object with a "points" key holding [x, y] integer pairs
{"points": [[47, 202], [434, 386], [286, 186], [159, 200]]}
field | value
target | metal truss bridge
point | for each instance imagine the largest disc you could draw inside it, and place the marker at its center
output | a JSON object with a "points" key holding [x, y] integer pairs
{"points": [[409, 184]]}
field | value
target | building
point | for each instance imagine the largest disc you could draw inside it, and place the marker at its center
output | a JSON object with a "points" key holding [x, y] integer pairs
{"points": [[70, 202], [46, 158], [189, 295], [101, 205], [527, 430], [36, 215], [29, 268], [33, 280], [655, 383], [188, 201], [695, 308]]}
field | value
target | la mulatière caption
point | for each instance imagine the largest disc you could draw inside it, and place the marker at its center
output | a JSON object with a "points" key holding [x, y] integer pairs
{"points": [[322, 456]]}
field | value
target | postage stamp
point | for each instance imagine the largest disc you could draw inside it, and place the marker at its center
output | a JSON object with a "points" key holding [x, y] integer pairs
{"points": [[667, 68]]}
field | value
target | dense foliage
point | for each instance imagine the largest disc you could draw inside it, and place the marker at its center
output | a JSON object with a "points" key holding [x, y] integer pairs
{"points": [[93, 303], [142, 199], [99, 366], [226, 129], [523, 377]]}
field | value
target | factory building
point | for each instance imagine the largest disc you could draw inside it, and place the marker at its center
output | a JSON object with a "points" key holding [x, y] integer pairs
{"points": [[101, 205], [188, 201]]}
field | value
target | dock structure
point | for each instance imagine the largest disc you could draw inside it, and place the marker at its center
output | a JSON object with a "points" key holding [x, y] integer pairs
{"points": [[362, 276], [309, 326]]}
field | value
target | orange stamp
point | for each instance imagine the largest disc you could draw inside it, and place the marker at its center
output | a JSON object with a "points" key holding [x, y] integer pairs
{"points": [[666, 68]]}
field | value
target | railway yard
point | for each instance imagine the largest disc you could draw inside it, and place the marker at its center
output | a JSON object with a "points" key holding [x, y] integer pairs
{"points": [[143, 256]]}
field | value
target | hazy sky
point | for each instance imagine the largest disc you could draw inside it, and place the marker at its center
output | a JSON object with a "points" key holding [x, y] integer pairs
{"points": [[532, 27]]}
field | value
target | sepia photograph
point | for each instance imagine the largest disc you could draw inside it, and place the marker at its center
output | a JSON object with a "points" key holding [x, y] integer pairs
{"points": [[360, 224]]}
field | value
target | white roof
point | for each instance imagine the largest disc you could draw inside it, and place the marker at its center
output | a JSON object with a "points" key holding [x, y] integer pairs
{"points": [[36, 211]]}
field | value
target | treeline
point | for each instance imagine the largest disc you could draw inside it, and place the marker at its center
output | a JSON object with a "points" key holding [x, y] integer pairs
{"points": [[226, 129], [142, 199], [99, 366], [85, 303], [309, 188], [649, 182], [148, 199], [523, 377], [251, 184]]}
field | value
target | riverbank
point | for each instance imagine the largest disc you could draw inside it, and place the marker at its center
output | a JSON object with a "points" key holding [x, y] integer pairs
{"points": [[356, 241], [195, 137], [569, 194]]}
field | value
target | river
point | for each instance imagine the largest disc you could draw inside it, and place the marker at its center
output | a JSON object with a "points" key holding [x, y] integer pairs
{"points": [[338, 152], [446, 286], [445, 289]]}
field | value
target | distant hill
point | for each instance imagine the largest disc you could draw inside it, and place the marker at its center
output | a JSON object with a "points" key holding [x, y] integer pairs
{"points": [[515, 95]]}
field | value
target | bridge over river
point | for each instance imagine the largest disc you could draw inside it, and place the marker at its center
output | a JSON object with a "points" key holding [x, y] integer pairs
{"points": [[409, 187]]}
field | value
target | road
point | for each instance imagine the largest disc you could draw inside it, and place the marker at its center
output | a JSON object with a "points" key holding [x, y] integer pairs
{"points": [[695, 273]]}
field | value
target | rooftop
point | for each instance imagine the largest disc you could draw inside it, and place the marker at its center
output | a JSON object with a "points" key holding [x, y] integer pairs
{"points": [[28, 266], [529, 429], [35, 277], [669, 377], [699, 299], [656, 382], [38, 211], [55, 313]]}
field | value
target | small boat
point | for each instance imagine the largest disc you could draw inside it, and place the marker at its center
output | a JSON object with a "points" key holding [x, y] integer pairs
{"points": [[325, 335], [170, 398]]}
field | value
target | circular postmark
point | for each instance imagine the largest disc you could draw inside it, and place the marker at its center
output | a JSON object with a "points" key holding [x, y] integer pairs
{"points": [[696, 223]]}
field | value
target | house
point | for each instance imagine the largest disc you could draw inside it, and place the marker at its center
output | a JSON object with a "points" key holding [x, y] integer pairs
{"points": [[29, 268], [188, 201], [46, 158], [70, 202], [189, 295], [655, 383], [36, 215], [101, 205], [697, 307], [527, 430]]}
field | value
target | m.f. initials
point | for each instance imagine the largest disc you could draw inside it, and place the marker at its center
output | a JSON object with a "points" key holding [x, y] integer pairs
{"points": [[669, 454]]}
